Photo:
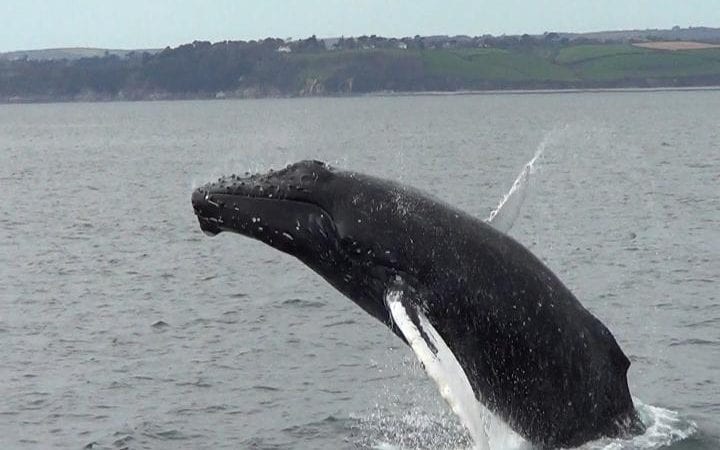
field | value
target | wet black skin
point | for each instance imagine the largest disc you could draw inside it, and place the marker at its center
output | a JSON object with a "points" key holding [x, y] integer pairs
{"points": [[533, 354]]}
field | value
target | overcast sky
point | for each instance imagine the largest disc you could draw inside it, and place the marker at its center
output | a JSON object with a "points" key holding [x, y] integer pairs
{"points": [[32, 24]]}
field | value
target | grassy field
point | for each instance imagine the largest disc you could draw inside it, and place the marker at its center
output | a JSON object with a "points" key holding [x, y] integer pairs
{"points": [[582, 53], [571, 66], [495, 65], [648, 63]]}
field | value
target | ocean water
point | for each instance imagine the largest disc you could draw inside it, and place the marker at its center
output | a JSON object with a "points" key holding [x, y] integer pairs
{"points": [[123, 326]]}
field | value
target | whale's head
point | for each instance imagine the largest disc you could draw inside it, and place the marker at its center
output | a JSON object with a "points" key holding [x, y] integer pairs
{"points": [[339, 223], [288, 209], [303, 203]]}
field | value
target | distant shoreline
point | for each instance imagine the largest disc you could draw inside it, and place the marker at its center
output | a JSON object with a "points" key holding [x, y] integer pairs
{"points": [[369, 65], [543, 91], [375, 94]]}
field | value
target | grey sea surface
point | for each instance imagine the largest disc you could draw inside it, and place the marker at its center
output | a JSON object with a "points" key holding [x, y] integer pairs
{"points": [[123, 326]]}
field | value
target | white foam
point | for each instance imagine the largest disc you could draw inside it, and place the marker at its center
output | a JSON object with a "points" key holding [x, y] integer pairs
{"points": [[417, 429], [385, 446], [664, 427]]}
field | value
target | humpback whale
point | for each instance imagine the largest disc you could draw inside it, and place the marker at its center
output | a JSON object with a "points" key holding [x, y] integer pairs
{"points": [[532, 354]]}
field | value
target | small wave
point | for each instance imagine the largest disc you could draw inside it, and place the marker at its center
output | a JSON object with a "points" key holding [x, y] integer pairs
{"points": [[159, 324], [328, 425], [340, 323], [301, 303], [692, 342], [261, 387], [143, 435], [197, 383]]}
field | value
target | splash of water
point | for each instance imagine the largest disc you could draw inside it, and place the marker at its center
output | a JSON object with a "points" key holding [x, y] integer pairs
{"points": [[663, 428]]}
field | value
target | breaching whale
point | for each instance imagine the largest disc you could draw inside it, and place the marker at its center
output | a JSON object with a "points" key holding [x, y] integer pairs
{"points": [[532, 354]]}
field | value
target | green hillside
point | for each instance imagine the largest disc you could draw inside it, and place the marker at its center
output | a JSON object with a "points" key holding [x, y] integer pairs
{"points": [[494, 65], [581, 53], [651, 64], [259, 68], [595, 65]]}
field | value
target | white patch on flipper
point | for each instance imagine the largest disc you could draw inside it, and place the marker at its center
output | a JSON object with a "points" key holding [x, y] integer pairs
{"points": [[486, 430]]}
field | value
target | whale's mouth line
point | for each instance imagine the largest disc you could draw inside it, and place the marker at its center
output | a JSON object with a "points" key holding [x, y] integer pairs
{"points": [[221, 205], [209, 207]]}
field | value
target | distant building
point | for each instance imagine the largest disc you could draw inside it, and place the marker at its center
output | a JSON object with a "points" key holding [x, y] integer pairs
{"points": [[332, 43], [402, 45], [284, 49]]}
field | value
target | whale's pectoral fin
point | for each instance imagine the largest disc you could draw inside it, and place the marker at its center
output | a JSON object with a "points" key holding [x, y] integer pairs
{"points": [[503, 217], [401, 301], [404, 304]]}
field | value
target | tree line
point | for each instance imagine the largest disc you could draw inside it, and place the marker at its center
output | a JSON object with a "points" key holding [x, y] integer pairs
{"points": [[268, 67]]}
